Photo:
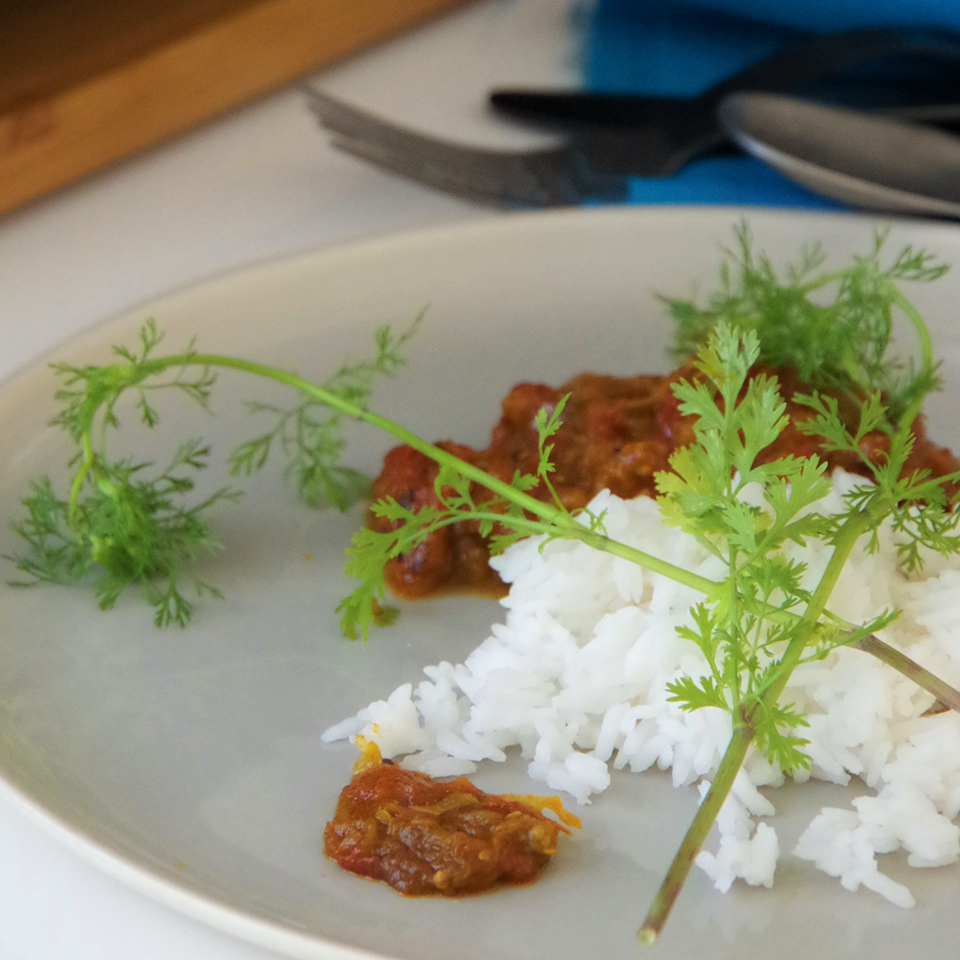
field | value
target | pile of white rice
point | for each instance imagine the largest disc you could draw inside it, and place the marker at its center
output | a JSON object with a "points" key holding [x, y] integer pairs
{"points": [[576, 678]]}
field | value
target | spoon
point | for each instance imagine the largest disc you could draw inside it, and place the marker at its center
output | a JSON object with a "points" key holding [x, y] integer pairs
{"points": [[862, 159]]}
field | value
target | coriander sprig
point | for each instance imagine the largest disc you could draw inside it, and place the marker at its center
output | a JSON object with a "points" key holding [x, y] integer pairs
{"points": [[139, 530], [90, 413], [764, 624], [833, 327], [704, 495]]}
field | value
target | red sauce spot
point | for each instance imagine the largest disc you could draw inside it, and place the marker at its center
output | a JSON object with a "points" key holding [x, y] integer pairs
{"points": [[427, 838]]}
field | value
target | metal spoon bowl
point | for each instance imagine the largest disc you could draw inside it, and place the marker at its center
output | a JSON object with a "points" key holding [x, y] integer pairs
{"points": [[861, 159]]}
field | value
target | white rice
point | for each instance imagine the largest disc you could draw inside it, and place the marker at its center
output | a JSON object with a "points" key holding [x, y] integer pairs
{"points": [[576, 678]]}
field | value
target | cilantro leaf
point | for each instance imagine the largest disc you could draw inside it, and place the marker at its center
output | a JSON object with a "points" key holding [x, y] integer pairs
{"points": [[835, 328]]}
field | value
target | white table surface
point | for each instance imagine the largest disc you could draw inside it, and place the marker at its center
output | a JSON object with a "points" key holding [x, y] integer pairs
{"points": [[258, 184]]}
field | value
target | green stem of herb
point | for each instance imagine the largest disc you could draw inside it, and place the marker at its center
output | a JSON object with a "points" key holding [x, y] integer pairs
{"points": [[926, 352], [843, 545], [654, 564], [742, 736], [86, 464], [822, 281], [676, 876], [943, 692], [547, 513]]}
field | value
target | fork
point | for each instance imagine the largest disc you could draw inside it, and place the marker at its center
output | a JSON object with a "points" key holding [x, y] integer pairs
{"points": [[547, 177], [593, 163], [595, 159]]}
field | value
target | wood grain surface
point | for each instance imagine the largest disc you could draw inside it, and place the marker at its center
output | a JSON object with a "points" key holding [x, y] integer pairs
{"points": [[86, 82]]}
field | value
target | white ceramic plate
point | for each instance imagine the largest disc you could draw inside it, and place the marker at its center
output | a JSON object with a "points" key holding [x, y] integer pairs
{"points": [[189, 762]]}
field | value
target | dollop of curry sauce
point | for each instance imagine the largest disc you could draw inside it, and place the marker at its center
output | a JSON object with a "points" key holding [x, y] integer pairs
{"points": [[424, 837]]}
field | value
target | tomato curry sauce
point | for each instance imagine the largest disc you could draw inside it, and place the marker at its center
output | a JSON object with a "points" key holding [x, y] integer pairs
{"points": [[427, 838], [617, 434]]}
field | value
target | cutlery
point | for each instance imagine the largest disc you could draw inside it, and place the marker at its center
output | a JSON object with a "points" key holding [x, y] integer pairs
{"points": [[552, 176], [656, 136], [862, 159]]}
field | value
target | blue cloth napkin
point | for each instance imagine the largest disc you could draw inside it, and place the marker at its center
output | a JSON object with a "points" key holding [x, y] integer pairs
{"points": [[683, 46], [824, 15]]}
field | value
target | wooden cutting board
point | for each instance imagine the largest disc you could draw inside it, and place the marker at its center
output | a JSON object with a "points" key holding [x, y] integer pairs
{"points": [[86, 82]]}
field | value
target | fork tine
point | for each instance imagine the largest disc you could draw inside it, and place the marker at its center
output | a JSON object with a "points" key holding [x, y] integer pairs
{"points": [[342, 118], [530, 178], [508, 181], [539, 178], [358, 124], [412, 168]]}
